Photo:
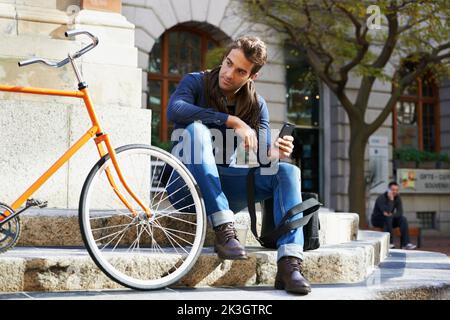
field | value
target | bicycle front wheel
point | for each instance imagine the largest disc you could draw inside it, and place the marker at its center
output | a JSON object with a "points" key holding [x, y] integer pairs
{"points": [[140, 252]]}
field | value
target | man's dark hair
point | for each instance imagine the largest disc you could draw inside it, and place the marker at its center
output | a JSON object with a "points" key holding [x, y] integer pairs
{"points": [[247, 104], [392, 183]]}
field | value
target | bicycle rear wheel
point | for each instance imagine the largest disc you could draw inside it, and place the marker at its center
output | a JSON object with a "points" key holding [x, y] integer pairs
{"points": [[139, 252]]}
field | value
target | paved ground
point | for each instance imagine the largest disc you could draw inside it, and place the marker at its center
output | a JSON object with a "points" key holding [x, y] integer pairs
{"points": [[436, 244], [431, 243], [403, 275]]}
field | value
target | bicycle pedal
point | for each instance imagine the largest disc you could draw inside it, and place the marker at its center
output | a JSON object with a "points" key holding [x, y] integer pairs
{"points": [[36, 203]]}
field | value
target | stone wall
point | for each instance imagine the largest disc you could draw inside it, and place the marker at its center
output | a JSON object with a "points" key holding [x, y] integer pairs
{"points": [[36, 130]]}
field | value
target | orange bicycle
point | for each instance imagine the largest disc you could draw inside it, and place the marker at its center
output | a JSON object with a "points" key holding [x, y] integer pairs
{"points": [[144, 225]]}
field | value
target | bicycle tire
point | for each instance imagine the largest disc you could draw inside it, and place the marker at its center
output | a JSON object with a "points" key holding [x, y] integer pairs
{"points": [[105, 262]]}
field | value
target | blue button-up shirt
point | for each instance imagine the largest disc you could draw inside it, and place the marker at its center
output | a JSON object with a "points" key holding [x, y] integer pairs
{"points": [[188, 104]]}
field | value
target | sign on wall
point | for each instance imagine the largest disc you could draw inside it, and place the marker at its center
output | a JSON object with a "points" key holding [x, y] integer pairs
{"points": [[423, 181], [378, 163]]}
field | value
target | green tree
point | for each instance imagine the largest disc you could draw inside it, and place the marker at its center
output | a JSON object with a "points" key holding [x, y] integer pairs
{"points": [[342, 39]]}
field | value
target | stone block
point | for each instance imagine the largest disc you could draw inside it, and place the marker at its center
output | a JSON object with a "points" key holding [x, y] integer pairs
{"points": [[272, 72], [147, 20], [144, 42], [164, 11], [111, 36], [231, 19], [72, 269], [26, 153], [113, 85], [272, 92], [114, 122], [7, 26], [143, 62], [277, 112], [53, 227], [12, 275], [216, 12], [200, 9], [182, 10]]}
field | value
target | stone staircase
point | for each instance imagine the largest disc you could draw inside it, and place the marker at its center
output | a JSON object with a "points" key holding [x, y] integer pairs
{"points": [[50, 257]]}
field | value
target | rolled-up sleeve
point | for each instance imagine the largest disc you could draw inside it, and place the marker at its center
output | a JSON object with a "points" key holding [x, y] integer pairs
{"points": [[181, 108]]}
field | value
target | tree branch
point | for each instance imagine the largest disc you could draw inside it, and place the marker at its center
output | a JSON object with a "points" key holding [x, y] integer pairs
{"points": [[398, 90], [390, 43], [361, 41]]}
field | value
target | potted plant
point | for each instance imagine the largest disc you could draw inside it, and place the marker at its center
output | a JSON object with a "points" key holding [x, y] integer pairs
{"points": [[406, 158], [428, 160], [444, 161]]}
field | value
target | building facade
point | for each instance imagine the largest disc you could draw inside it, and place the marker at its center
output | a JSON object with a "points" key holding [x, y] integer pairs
{"points": [[158, 41]]}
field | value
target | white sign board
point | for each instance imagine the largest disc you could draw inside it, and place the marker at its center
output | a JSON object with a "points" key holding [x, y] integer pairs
{"points": [[378, 163], [423, 181]]}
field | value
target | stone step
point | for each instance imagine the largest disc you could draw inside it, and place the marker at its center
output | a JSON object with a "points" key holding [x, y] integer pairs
{"points": [[65, 269], [403, 275], [59, 227]]}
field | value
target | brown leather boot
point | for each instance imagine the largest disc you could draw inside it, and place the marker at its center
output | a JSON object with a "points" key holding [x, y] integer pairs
{"points": [[289, 276], [227, 245]]}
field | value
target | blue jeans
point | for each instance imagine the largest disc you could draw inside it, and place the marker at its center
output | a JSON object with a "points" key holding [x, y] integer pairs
{"points": [[224, 188]]}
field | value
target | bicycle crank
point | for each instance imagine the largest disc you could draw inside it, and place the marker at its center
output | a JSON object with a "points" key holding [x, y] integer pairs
{"points": [[9, 231]]}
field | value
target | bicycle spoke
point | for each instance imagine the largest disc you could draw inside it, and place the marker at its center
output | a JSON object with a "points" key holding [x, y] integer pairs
{"points": [[118, 233], [109, 227], [169, 237], [163, 228], [172, 193], [175, 218], [110, 235], [175, 203]]}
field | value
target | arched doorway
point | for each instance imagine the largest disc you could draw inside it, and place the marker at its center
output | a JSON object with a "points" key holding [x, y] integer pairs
{"points": [[303, 109], [182, 49]]}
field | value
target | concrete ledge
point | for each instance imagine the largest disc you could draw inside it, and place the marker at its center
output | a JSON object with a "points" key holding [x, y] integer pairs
{"points": [[383, 242], [403, 275], [59, 227], [57, 269]]}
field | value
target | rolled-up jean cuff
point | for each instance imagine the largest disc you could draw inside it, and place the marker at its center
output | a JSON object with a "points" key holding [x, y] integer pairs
{"points": [[221, 217], [290, 250]]}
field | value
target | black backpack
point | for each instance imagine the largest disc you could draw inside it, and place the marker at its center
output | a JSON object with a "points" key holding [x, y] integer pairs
{"points": [[269, 233]]}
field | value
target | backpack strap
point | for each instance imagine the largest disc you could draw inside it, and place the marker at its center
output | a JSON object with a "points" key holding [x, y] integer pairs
{"points": [[308, 207], [251, 201]]}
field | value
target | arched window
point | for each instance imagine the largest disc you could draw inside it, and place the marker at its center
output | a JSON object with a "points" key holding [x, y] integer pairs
{"points": [[178, 51], [416, 116]]}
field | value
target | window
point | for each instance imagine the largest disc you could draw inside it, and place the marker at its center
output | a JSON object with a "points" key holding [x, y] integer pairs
{"points": [[416, 117], [178, 51], [427, 219]]}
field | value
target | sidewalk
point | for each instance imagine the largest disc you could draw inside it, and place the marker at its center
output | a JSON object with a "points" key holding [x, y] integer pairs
{"points": [[431, 243]]}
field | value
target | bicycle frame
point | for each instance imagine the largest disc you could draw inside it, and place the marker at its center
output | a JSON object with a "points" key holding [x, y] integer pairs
{"points": [[100, 137]]}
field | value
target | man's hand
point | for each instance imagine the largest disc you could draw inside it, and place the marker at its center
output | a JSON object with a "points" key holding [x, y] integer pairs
{"points": [[244, 131], [283, 148], [390, 195], [387, 214]]}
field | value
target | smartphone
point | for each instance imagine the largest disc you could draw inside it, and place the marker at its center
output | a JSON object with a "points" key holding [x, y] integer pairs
{"points": [[287, 129]]}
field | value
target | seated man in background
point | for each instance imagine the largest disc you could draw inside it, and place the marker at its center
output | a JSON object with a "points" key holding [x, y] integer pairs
{"points": [[388, 214]]}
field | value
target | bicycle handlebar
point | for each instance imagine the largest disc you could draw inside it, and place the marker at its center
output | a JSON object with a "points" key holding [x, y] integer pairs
{"points": [[77, 54]]}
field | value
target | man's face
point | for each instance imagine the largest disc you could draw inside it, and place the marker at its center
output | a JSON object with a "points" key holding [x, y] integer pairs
{"points": [[394, 190], [235, 71]]}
